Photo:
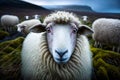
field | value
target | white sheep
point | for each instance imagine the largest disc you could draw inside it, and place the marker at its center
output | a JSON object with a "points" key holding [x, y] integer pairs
{"points": [[107, 31], [62, 52], [27, 17], [25, 25], [85, 18], [36, 16], [9, 21]]}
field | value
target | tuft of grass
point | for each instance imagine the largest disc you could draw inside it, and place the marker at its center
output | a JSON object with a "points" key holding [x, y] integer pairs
{"points": [[103, 75], [10, 59], [3, 34], [106, 64]]}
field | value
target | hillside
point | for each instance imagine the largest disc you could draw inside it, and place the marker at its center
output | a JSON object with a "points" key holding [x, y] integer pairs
{"points": [[21, 8]]}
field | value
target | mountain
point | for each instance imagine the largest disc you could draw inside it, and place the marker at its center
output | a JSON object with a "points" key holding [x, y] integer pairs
{"points": [[78, 8], [21, 9], [18, 4], [18, 7]]}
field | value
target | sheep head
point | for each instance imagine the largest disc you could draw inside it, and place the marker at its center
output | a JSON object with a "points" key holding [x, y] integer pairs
{"points": [[20, 27], [61, 38]]}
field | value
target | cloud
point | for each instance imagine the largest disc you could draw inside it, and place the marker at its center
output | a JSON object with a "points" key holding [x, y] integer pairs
{"points": [[52, 2], [105, 5]]}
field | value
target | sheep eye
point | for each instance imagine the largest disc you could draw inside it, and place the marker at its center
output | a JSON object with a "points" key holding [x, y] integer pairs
{"points": [[74, 30], [48, 29]]}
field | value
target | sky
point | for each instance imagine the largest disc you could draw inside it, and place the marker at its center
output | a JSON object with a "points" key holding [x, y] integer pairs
{"points": [[112, 6]]}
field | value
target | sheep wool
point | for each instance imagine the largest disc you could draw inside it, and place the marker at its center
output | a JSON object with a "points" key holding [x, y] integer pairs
{"points": [[39, 64], [107, 31], [9, 21], [28, 24], [62, 17]]}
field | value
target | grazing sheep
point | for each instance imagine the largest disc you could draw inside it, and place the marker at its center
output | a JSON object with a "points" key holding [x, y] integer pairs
{"points": [[107, 31], [85, 18], [36, 16], [25, 25], [60, 53], [27, 17], [9, 21]]}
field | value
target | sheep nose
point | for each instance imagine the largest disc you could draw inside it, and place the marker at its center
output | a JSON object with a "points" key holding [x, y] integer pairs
{"points": [[61, 53]]}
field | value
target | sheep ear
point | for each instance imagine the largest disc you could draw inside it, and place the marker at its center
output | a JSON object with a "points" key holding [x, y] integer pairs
{"points": [[37, 28], [85, 30], [23, 26]]}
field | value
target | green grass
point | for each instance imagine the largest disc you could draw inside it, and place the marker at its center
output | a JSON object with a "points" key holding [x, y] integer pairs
{"points": [[106, 64], [10, 59], [3, 34]]}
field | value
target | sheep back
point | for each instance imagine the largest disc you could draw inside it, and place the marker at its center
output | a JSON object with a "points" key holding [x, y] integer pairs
{"points": [[107, 31], [9, 20], [28, 24]]}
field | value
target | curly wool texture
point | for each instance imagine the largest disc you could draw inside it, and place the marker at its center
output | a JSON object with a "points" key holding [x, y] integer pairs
{"points": [[38, 63], [107, 31], [62, 17]]}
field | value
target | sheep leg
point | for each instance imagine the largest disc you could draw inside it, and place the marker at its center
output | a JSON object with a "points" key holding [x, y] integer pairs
{"points": [[10, 28], [95, 44], [100, 45], [5, 27], [118, 49], [113, 49]]}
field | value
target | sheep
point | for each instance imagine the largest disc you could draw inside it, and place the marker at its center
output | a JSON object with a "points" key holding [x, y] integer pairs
{"points": [[107, 31], [36, 16], [27, 17], [85, 18], [57, 49], [9, 21], [25, 25]]}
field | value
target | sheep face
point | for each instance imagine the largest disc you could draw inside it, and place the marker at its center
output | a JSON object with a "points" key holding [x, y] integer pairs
{"points": [[61, 39], [20, 28]]}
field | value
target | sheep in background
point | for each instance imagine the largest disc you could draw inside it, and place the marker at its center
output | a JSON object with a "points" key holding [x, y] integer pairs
{"points": [[9, 21], [25, 25], [27, 17], [107, 31], [85, 18], [36, 16], [62, 52]]}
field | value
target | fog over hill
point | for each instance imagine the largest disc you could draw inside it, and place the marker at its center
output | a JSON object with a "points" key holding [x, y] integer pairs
{"points": [[101, 6], [80, 8]]}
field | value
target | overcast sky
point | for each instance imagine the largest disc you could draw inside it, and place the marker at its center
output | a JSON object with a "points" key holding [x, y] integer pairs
{"points": [[97, 5]]}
